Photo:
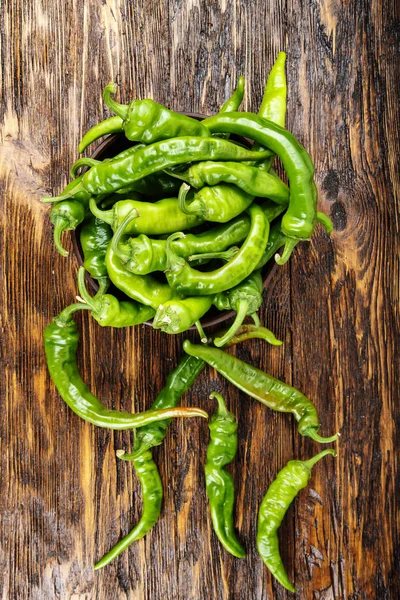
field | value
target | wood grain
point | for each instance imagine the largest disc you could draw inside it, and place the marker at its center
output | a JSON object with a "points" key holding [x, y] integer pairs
{"points": [[65, 498]]}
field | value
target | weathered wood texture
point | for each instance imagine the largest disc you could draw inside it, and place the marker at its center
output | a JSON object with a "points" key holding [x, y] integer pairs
{"points": [[65, 498]]}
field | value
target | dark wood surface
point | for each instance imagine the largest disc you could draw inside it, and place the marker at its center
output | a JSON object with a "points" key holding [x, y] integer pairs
{"points": [[65, 498]]}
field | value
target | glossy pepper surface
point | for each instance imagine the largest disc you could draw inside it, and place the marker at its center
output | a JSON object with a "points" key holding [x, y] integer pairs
{"points": [[108, 311], [95, 235], [300, 218], [148, 122], [119, 173], [61, 341], [281, 493], [152, 495], [152, 218], [176, 316], [65, 216], [143, 288], [251, 180], [106, 127], [186, 280], [275, 394], [219, 204], [219, 483]]}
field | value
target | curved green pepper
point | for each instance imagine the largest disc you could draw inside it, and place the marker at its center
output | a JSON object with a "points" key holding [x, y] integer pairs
{"points": [[119, 173], [275, 394], [148, 122], [176, 316], [61, 341], [106, 127], [95, 236], [154, 218], [301, 216], [280, 494], [219, 483], [108, 311], [219, 204], [251, 180], [188, 281], [65, 216], [143, 288]]}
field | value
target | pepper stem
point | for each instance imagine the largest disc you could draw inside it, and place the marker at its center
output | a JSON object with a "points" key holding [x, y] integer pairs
{"points": [[325, 221], [184, 206], [243, 307], [256, 319], [85, 161], [104, 215], [287, 251], [225, 255], [71, 194], [86, 297], [120, 109], [124, 455], [311, 462], [172, 258], [65, 315], [60, 225], [312, 433], [115, 242], [104, 282], [222, 410], [203, 337], [183, 176]]}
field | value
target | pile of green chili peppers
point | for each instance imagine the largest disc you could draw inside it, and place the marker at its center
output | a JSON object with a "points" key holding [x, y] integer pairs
{"points": [[181, 223]]}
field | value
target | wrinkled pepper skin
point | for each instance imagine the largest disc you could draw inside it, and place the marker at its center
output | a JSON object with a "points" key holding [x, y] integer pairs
{"points": [[300, 219], [95, 235], [152, 495], [176, 316], [118, 173], [275, 394], [147, 121], [281, 493], [154, 218], [142, 288], [61, 342], [221, 451], [218, 204], [252, 180], [186, 280]]}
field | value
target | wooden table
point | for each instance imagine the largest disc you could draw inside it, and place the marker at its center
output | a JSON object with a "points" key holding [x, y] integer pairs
{"points": [[66, 498]]}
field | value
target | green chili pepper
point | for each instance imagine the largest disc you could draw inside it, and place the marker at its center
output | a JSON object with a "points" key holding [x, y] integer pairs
{"points": [[220, 203], [176, 316], [143, 255], [155, 218], [263, 387], [106, 127], [152, 494], [233, 103], [65, 216], [245, 299], [148, 122], [118, 173], [251, 180], [299, 221], [273, 105], [61, 341], [108, 311], [178, 382], [95, 236], [186, 280], [280, 494], [143, 288], [219, 483]]}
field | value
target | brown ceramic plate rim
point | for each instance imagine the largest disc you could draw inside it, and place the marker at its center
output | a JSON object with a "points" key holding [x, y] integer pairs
{"points": [[205, 322]]}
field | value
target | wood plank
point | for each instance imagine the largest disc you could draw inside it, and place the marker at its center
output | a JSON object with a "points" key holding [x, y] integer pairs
{"points": [[65, 498]]}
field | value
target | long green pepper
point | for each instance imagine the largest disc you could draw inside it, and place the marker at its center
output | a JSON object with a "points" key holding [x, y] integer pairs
{"points": [[275, 394], [219, 483], [281, 493]]}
